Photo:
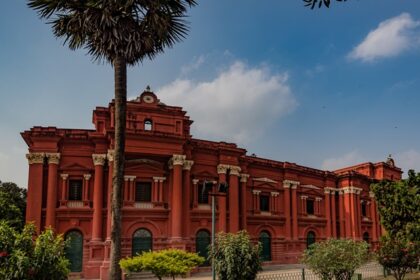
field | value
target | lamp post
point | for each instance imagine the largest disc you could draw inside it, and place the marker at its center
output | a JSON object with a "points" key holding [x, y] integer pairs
{"points": [[222, 190]]}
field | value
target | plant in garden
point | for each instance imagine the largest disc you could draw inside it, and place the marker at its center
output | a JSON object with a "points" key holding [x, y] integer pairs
{"points": [[235, 257], [336, 258], [13, 204], [398, 255], [165, 263], [22, 257]]}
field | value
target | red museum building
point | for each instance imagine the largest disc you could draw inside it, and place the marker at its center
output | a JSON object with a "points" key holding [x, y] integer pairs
{"points": [[168, 177]]}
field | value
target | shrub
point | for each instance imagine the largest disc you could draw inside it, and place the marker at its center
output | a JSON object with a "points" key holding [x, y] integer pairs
{"points": [[336, 258], [24, 257], [165, 263], [398, 255], [235, 257]]}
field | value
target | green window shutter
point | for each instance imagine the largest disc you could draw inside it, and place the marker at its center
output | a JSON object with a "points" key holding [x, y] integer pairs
{"points": [[202, 242], [265, 240], [74, 251], [142, 242]]}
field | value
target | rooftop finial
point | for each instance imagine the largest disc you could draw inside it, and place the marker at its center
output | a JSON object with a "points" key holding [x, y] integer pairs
{"points": [[148, 88]]}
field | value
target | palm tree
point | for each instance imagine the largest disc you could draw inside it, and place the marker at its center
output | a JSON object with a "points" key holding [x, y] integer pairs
{"points": [[313, 3], [120, 32]]}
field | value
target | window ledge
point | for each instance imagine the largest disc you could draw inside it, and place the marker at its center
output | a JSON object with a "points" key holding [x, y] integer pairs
{"points": [[143, 205], [265, 213], [204, 206]]}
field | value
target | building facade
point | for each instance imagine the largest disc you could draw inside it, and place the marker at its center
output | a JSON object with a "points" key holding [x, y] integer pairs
{"points": [[169, 179]]}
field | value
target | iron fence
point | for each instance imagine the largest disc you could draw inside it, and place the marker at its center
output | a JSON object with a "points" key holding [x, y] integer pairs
{"points": [[303, 274]]}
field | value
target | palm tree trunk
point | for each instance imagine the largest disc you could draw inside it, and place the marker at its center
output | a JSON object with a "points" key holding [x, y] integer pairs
{"points": [[120, 76]]}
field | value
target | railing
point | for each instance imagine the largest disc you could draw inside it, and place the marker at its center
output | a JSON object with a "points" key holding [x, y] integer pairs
{"points": [[303, 274]]}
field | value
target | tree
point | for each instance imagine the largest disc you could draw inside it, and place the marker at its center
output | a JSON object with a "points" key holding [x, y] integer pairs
{"points": [[165, 263], [337, 258], [22, 257], [122, 33], [326, 3], [13, 204], [235, 257]]}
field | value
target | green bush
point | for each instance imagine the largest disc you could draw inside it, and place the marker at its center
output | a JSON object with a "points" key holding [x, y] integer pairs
{"points": [[165, 263], [235, 257], [336, 258], [23, 257], [398, 255]]}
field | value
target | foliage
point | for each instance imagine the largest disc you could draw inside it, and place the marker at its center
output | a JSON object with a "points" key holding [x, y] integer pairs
{"points": [[326, 3], [22, 257], [235, 257], [398, 255], [336, 258], [165, 263], [399, 206], [13, 204]]}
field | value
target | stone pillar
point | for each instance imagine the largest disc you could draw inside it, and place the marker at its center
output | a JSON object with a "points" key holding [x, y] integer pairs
{"points": [[358, 215], [333, 214], [53, 161], [274, 202], [132, 190], [177, 162], [287, 215], [195, 193], [373, 217], [222, 170], [303, 199], [244, 179], [34, 200], [341, 213], [234, 199], [86, 189], [328, 211], [294, 210], [99, 162], [161, 189], [318, 205], [187, 196], [347, 209], [63, 189]]}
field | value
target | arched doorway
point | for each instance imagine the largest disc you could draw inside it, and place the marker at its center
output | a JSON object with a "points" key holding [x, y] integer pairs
{"points": [[366, 237], [202, 242], [142, 241], [265, 240], [74, 250], [310, 239]]}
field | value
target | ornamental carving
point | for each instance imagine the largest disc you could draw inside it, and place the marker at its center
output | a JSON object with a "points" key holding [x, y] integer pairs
{"points": [[64, 176], [234, 170], [87, 177], [290, 184], [244, 178], [99, 159], [159, 179], [222, 168], [195, 181], [187, 164], [275, 194], [177, 160], [53, 158], [110, 155], [35, 158], [265, 180], [256, 192]]}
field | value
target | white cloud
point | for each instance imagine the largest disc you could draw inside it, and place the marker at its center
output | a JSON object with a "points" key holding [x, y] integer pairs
{"points": [[194, 65], [349, 159], [392, 37], [408, 160], [238, 105]]}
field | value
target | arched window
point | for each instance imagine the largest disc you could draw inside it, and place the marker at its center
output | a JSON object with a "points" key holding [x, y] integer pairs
{"points": [[142, 241], [148, 125], [74, 250], [310, 239], [265, 240], [366, 237], [202, 242]]}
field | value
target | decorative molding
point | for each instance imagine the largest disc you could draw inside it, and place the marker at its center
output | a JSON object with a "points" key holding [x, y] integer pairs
{"points": [[371, 195], [187, 165], [244, 177], [222, 168], [256, 192], [64, 176], [129, 177], [303, 197], [352, 189], [234, 170], [310, 187], [35, 158], [99, 159], [178, 159], [318, 198], [275, 194], [265, 180], [110, 155], [160, 179], [327, 190], [195, 181], [87, 176], [53, 158], [290, 184]]}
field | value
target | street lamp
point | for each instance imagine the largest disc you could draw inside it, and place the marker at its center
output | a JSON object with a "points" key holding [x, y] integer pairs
{"points": [[221, 191]]}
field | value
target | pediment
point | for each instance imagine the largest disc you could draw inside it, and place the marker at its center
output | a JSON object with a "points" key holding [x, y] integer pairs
{"points": [[143, 164], [75, 166], [205, 174], [265, 180], [312, 187]]}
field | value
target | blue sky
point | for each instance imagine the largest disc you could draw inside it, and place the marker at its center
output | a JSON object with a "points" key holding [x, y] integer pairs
{"points": [[322, 88]]}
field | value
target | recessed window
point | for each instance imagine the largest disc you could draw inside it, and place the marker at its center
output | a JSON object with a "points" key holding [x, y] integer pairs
{"points": [[363, 209], [264, 203], [310, 209], [75, 189], [148, 125], [203, 192], [143, 192]]}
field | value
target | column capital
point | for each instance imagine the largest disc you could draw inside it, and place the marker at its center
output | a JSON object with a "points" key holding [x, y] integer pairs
{"points": [[177, 160], [352, 189], [234, 170], [53, 158], [187, 164], [129, 177], [99, 159], [371, 195], [87, 176], [244, 177], [275, 194], [318, 198], [159, 179], [64, 176], [256, 192], [110, 155], [327, 190], [303, 197], [195, 181], [35, 158], [222, 168], [290, 184]]}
